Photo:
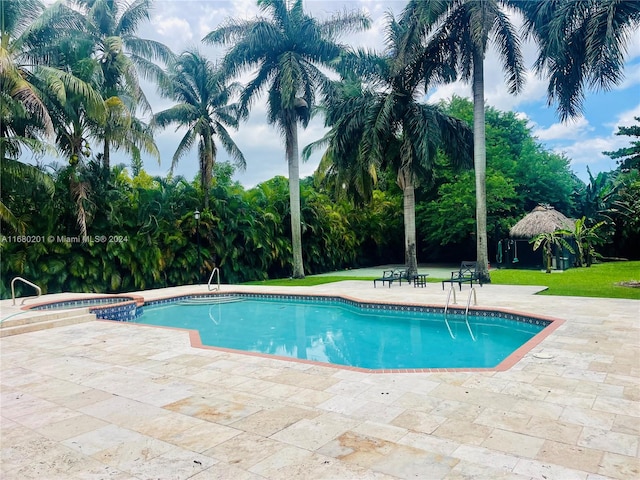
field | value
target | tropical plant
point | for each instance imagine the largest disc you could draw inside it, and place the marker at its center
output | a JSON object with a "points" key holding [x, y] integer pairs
{"points": [[111, 30], [17, 181], [586, 239], [23, 115], [288, 48], [469, 26], [203, 108], [581, 45], [31, 75], [388, 126], [548, 240], [628, 158], [39, 93]]}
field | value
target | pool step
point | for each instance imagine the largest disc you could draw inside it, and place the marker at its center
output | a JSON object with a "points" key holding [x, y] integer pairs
{"points": [[211, 300], [24, 324]]}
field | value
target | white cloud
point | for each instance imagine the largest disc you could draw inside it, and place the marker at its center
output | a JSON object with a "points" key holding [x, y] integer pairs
{"points": [[173, 26], [627, 118], [587, 151], [570, 130]]}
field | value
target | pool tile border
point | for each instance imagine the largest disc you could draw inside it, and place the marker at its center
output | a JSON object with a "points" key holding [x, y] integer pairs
{"points": [[394, 307], [105, 307], [550, 325]]}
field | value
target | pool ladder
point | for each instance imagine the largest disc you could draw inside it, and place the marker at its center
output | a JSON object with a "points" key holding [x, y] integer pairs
{"points": [[13, 290], [216, 272], [472, 292]]}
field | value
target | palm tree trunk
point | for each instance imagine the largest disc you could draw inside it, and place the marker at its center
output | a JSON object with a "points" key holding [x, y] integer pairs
{"points": [[291, 141], [480, 164], [206, 169], [106, 155], [409, 209]]}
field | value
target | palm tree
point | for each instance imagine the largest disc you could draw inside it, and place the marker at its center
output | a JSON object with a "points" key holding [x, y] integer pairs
{"points": [[26, 76], [388, 126], [33, 90], [581, 45], [288, 50], [111, 29], [203, 109], [470, 25]]}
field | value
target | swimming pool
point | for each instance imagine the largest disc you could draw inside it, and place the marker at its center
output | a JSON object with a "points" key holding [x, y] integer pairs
{"points": [[342, 332]]}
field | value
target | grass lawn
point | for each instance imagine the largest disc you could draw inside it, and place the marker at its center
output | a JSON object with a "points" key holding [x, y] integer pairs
{"points": [[599, 280]]}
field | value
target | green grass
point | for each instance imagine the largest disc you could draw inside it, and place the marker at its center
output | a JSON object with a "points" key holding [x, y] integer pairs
{"points": [[600, 280]]}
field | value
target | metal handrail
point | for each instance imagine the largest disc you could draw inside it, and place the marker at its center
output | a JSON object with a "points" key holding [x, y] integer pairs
{"points": [[475, 300], [466, 312], [13, 290], [446, 306], [215, 271]]}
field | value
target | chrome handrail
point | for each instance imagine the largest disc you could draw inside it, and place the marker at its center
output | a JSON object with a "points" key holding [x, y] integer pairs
{"points": [[466, 312], [215, 271], [446, 306], [13, 290], [475, 300]]}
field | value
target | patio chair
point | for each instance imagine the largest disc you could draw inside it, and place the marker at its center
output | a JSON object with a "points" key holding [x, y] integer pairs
{"points": [[466, 274], [391, 275]]}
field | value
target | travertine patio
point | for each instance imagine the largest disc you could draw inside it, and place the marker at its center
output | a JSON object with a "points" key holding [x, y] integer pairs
{"points": [[114, 400]]}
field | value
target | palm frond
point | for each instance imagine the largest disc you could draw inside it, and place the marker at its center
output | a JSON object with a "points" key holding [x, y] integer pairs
{"points": [[7, 216], [92, 99], [132, 16], [509, 50], [230, 146], [183, 147], [182, 114], [344, 22]]}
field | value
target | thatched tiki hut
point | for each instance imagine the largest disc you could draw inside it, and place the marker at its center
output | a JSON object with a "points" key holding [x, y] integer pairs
{"points": [[517, 251]]}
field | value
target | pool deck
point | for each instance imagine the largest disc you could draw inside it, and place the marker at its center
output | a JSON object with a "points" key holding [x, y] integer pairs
{"points": [[114, 400]]}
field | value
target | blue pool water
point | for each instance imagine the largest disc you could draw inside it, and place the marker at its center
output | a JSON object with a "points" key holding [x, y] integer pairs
{"points": [[344, 334]]}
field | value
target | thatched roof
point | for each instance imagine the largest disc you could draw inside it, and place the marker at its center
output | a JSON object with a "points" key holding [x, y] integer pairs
{"points": [[542, 219]]}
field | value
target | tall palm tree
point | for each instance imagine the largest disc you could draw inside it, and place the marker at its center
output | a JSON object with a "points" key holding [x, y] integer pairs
{"points": [[470, 26], [33, 89], [27, 76], [389, 126], [289, 49], [111, 28], [581, 45], [203, 108]]}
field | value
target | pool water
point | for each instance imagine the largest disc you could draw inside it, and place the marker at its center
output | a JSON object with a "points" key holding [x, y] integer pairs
{"points": [[343, 334]]}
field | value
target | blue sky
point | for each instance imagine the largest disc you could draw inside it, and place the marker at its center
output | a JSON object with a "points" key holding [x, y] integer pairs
{"points": [[181, 24]]}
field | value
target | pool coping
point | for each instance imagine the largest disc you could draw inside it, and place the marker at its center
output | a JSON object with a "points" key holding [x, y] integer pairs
{"points": [[195, 340]]}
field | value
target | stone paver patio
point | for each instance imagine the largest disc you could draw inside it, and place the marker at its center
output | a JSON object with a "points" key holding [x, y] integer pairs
{"points": [[122, 401]]}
